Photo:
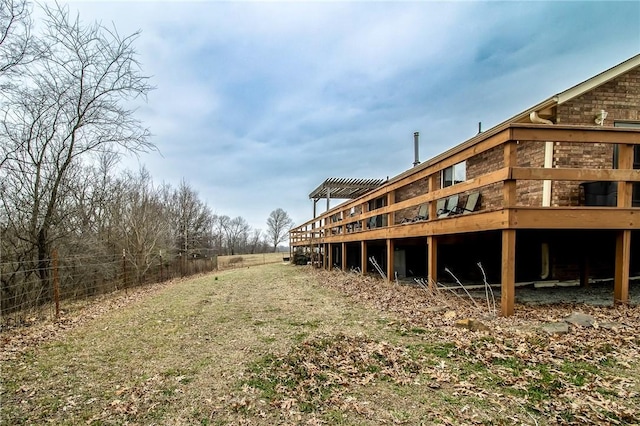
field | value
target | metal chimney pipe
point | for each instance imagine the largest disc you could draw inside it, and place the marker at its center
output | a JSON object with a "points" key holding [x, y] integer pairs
{"points": [[416, 137]]}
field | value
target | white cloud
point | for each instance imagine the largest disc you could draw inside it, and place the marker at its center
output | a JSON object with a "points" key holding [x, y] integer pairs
{"points": [[259, 102]]}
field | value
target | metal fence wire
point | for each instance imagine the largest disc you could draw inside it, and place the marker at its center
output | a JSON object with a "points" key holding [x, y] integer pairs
{"points": [[40, 288]]}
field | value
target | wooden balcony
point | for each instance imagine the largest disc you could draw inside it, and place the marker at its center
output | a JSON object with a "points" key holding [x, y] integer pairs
{"points": [[507, 206]]}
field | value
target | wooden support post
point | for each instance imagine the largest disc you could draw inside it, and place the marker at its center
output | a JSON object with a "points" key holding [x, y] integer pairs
{"points": [[391, 199], [432, 261], [56, 282], [584, 269], [330, 252], [508, 271], [124, 269], [363, 257], [325, 257], [343, 260], [625, 161], [390, 266], [433, 184], [363, 222], [623, 260], [509, 186]]}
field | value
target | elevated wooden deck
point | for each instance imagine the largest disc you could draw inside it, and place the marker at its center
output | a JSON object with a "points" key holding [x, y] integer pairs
{"points": [[509, 207]]}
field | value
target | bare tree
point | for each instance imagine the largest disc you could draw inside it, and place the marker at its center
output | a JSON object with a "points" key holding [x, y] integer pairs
{"points": [[72, 103], [191, 221], [17, 44], [17, 49], [235, 232], [278, 225], [144, 223], [254, 241]]}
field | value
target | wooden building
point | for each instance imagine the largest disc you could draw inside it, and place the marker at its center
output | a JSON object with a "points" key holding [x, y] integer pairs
{"points": [[551, 193]]}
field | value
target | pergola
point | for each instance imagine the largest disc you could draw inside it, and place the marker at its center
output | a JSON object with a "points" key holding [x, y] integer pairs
{"points": [[343, 188]]}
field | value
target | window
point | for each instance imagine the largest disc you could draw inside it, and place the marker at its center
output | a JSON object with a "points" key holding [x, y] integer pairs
{"points": [[636, 148], [454, 174]]}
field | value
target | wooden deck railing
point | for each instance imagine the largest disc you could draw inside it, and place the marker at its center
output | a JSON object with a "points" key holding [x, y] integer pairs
{"points": [[340, 224]]}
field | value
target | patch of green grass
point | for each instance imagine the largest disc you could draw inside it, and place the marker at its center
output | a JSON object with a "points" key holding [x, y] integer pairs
{"points": [[512, 363], [299, 337], [335, 417], [578, 372], [468, 369], [401, 416], [437, 349], [609, 362], [545, 387]]}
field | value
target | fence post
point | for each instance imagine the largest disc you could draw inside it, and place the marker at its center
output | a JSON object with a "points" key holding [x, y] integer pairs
{"points": [[56, 283], [124, 270]]}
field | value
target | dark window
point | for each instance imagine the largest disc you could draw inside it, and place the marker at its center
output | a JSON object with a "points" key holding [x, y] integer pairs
{"points": [[454, 174], [636, 148]]}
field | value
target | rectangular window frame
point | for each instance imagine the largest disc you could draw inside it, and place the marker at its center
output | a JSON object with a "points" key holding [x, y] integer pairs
{"points": [[636, 148], [453, 174]]}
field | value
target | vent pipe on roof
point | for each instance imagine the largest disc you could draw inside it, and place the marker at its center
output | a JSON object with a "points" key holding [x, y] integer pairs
{"points": [[416, 156]]}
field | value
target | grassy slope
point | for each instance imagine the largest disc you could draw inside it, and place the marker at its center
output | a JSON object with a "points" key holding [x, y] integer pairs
{"points": [[269, 345], [175, 356]]}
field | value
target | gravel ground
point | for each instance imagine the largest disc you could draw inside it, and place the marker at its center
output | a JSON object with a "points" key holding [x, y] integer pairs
{"points": [[596, 294]]}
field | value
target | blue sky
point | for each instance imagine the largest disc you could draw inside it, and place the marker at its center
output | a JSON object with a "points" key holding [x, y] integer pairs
{"points": [[257, 103]]}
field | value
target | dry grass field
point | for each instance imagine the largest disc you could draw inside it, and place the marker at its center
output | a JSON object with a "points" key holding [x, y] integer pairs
{"points": [[279, 344], [244, 260]]}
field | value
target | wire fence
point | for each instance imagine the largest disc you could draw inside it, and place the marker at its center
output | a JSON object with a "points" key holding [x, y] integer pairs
{"points": [[40, 288]]}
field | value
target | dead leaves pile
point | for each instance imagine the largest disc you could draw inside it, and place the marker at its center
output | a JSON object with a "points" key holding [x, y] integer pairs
{"points": [[318, 373], [519, 372]]}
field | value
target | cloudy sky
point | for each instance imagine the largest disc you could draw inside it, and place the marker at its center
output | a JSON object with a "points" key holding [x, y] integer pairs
{"points": [[258, 102]]}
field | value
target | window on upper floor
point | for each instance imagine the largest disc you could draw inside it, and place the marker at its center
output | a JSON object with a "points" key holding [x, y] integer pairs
{"points": [[636, 148], [377, 203], [453, 174]]}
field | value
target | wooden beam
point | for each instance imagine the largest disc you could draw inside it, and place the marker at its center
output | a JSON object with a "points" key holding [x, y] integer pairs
{"points": [[330, 247], [623, 261], [474, 222], [507, 285], [575, 218], [363, 257], [517, 218], [390, 259], [526, 173], [432, 261], [343, 253], [542, 133]]}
